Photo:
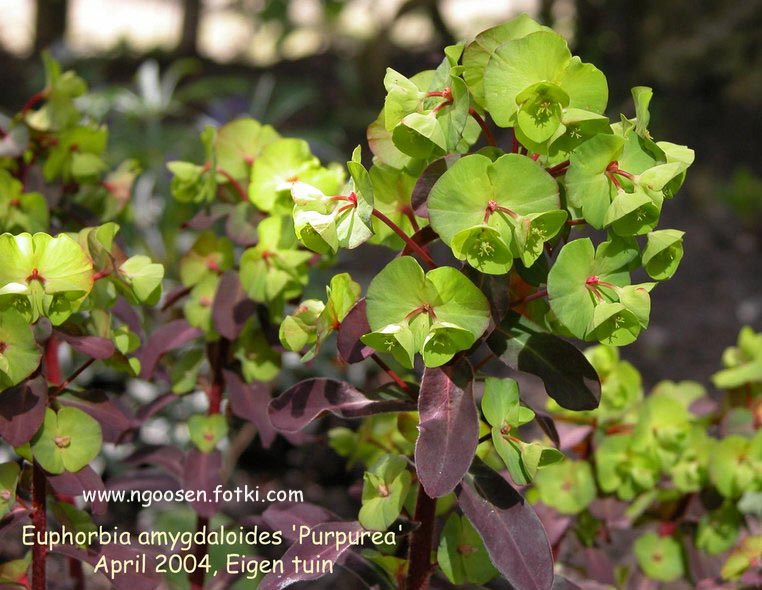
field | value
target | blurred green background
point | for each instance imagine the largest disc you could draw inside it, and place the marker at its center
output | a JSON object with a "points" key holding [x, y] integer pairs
{"points": [[162, 69]]}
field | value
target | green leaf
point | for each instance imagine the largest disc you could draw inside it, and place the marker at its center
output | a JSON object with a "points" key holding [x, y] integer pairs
{"points": [[402, 98], [44, 276], [19, 352], [143, 277], [660, 558], [207, 431], [501, 405], [588, 187], [300, 328], [632, 214], [67, 441], [184, 371], [569, 486], [461, 555], [385, 487], [641, 96], [9, 476], [259, 360], [663, 253]]}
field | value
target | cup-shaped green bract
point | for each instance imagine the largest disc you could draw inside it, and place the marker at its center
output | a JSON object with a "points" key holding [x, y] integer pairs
{"points": [[477, 192], [529, 80], [67, 440], [19, 353], [260, 361], [660, 557], [663, 253], [462, 555], [208, 255], [207, 431], [198, 307], [442, 310], [283, 163], [299, 329], [43, 275], [143, 278], [385, 488], [569, 486], [586, 291], [9, 476]]}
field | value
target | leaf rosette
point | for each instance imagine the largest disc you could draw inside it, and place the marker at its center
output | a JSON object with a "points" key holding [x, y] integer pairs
{"points": [[437, 314]]}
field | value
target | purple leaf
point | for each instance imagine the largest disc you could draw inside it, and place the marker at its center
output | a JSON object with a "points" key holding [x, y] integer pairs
{"points": [[560, 583], [427, 180], [231, 307], [125, 312], [422, 237], [354, 325], [92, 346], [547, 425], [114, 420], [202, 473], [250, 402], [307, 551], [449, 429], [22, 410], [114, 553], [169, 337], [156, 406], [513, 534], [11, 520], [168, 457], [208, 216], [299, 405], [598, 565], [571, 435], [143, 480], [74, 484], [284, 516], [568, 376]]}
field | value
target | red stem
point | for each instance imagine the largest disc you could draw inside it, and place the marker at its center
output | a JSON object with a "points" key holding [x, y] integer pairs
{"points": [[39, 520], [421, 542], [483, 124], [559, 169], [236, 185], [394, 377], [175, 298], [52, 368], [35, 99], [576, 221], [66, 382], [539, 294], [406, 238]]}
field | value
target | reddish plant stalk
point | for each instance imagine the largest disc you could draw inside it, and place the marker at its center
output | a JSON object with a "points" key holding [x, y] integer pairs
{"points": [[483, 124], [52, 368], [421, 542], [236, 185], [539, 294], [39, 520], [394, 377], [406, 238]]}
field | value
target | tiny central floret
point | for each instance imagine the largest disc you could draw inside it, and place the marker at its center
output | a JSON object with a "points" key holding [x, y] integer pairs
{"points": [[62, 441], [35, 276], [3, 347], [593, 280]]}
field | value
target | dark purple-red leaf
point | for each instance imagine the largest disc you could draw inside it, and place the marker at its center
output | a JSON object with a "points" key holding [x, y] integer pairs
{"points": [[513, 534], [208, 216], [119, 554], [299, 405], [427, 180], [309, 552], [22, 410], [231, 307], [92, 346], [155, 406], [422, 237], [568, 376], [250, 402], [114, 420], [352, 328], [169, 337], [75, 484], [202, 473], [169, 457], [288, 517], [449, 428], [125, 312]]}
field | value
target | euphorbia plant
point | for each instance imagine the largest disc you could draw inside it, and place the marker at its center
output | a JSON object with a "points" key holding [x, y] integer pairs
{"points": [[65, 280], [540, 239]]}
